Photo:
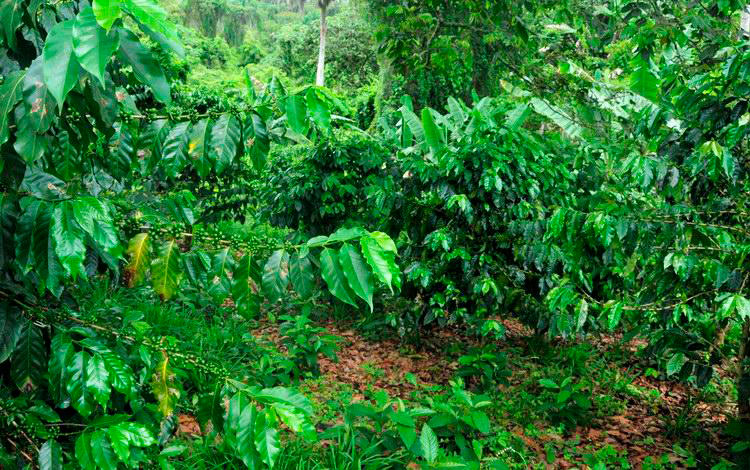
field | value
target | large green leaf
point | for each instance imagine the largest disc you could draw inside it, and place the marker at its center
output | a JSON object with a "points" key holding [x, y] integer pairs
{"points": [[120, 375], [301, 275], [246, 282], [106, 12], [50, 456], [83, 452], [334, 276], [257, 140], [432, 134], [81, 395], [276, 275], [27, 365], [296, 113], [165, 270], [98, 380], [239, 430], [11, 93], [225, 139], [145, 66], [101, 451], [644, 83], [413, 123], [266, 439], [92, 45], [12, 12], [68, 239], [319, 111], [296, 421], [29, 144], [28, 233], [10, 330], [382, 261], [60, 64], [61, 354], [124, 435], [38, 102], [198, 144], [96, 220], [285, 396], [162, 386], [357, 273], [140, 258], [152, 15], [220, 282], [429, 443], [174, 153]]}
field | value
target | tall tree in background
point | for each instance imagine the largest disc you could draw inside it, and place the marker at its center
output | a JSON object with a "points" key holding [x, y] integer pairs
{"points": [[320, 76]]}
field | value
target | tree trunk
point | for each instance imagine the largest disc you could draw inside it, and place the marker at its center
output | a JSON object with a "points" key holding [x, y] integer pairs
{"points": [[320, 77], [745, 23]]}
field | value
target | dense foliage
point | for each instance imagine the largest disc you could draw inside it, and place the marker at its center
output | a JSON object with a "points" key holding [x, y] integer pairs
{"points": [[579, 166]]}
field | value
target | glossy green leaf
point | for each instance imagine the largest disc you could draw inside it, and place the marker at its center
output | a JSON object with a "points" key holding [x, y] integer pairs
{"points": [[429, 443], [381, 261], [106, 12], [68, 238], [239, 429], [334, 276], [139, 253], [246, 282], [432, 134], [301, 275], [27, 364], [675, 363], [225, 140], [60, 64], [50, 456], [162, 386], [644, 83], [101, 451], [257, 140], [92, 45], [319, 111], [11, 325], [220, 283], [276, 275], [98, 380], [413, 123], [83, 452], [165, 270], [357, 273], [119, 374], [175, 150], [266, 440], [145, 67], [11, 93], [198, 145], [61, 354], [12, 13], [296, 113], [151, 14], [81, 395], [285, 396]]}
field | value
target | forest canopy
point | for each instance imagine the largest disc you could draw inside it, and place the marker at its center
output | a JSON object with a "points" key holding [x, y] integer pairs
{"points": [[375, 234]]}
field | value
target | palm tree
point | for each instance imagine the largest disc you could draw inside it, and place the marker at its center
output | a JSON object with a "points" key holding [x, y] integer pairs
{"points": [[320, 76]]}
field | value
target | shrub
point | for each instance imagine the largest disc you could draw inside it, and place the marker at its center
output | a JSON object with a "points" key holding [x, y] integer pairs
{"points": [[347, 179]]}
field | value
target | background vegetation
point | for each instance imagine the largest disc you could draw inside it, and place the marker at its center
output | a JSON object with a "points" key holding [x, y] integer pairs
{"points": [[492, 235]]}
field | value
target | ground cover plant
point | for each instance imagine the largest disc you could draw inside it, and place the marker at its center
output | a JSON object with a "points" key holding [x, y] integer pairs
{"points": [[493, 235]]}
